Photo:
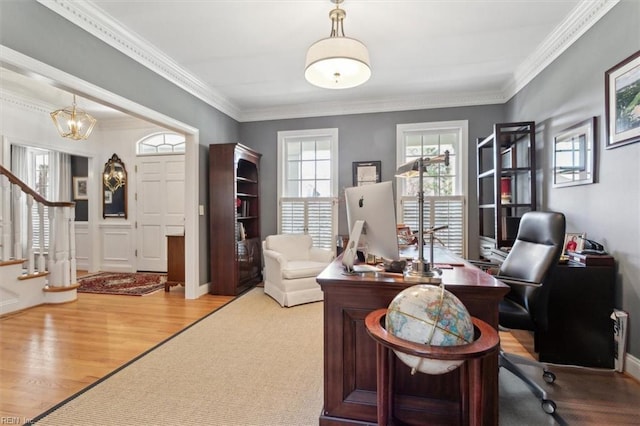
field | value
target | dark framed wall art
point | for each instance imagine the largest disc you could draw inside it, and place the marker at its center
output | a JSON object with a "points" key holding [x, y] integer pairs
{"points": [[366, 172], [622, 102]]}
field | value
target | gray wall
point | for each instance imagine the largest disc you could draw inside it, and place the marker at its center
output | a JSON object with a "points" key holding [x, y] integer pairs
{"points": [[570, 90], [35, 31], [364, 137]]}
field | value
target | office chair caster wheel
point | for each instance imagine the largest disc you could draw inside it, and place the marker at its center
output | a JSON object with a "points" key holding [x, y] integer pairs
{"points": [[548, 406], [549, 377]]}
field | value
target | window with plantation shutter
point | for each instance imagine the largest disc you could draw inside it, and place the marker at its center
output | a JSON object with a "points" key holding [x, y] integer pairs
{"points": [[444, 186], [308, 183], [446, 210]]}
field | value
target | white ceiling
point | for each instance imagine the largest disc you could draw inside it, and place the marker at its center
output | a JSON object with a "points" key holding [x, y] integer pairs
{"points": [[246, 57]]}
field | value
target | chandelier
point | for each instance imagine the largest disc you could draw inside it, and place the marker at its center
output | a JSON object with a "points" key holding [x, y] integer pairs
{"points": [[337, 62], [72, 122]]}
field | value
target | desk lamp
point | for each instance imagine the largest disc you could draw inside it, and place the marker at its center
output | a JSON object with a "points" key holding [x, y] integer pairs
{"points": [[422, 271]]}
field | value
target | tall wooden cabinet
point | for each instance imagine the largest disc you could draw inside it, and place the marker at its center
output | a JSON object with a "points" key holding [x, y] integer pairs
{"points": [[234, 216], [506, 182]]}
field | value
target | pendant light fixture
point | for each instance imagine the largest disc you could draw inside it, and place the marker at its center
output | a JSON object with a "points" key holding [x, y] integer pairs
{"points": [[72, 122], [337, 62]]}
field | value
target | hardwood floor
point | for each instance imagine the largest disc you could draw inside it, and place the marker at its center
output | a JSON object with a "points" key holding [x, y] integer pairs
{"points": [[49, 353]]}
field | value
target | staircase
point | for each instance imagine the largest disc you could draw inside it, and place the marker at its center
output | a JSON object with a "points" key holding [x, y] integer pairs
{"points": [[37, 277]]}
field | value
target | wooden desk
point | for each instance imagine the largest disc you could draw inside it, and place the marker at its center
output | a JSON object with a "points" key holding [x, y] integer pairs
{"points": [[350, 354]]}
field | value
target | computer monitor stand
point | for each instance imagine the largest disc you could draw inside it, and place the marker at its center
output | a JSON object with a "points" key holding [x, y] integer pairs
{"points": [[351, 252]]}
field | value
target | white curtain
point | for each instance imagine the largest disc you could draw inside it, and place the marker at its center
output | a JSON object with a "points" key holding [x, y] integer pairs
{"points": [[20, 163], [20, 168], [60, 166]]}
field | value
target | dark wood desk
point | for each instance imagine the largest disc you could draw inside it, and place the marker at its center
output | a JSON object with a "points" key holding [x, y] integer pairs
{"points": [[350, 354]]}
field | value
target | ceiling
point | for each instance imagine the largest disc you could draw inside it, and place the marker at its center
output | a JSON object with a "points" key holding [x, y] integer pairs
{"points": [[246, 57]]}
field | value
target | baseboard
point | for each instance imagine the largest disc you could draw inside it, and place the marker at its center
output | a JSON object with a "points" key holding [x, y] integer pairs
{"points": [[203, 289], [632, 366]]}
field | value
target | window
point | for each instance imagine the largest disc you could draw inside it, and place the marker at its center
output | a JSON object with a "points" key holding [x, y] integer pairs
{"points": [[308, 184], [161, 143], [444, 186], [39, 178]]}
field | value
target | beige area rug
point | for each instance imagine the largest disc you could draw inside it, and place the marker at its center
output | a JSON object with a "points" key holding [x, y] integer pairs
{"points": [[249, 363]]}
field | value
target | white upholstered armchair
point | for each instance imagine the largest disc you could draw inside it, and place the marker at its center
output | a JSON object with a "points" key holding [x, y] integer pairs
{"points": [[291, 265]]}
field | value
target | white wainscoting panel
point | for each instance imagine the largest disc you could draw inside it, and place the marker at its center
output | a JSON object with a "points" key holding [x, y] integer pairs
{"points": [[83, 245], [118, 253]]}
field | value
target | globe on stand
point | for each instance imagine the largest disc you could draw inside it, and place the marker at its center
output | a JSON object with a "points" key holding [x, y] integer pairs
{"points": [[429, 315]]}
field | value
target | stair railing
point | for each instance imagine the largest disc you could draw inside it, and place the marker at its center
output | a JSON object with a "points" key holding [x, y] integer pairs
{"points": [[16, 199]]}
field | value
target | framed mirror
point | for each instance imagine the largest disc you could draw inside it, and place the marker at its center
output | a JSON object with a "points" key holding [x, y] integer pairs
{"points": [[574, 155], [114, 189]]}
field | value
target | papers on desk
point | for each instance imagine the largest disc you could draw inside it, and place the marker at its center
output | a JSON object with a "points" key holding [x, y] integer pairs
{"points": [[367, 268]]}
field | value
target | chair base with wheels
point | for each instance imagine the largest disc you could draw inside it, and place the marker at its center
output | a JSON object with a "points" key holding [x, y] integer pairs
{"points": [[511, 361]]}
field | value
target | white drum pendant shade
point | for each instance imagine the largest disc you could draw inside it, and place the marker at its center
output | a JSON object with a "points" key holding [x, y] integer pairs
{"points": [[337, 63]]}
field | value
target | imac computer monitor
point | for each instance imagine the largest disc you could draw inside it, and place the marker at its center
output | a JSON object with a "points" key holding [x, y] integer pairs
{"points": [[374, 205]]}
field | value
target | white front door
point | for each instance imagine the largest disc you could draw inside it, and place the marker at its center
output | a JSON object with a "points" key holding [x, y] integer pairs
{"points": [[160, 208]]}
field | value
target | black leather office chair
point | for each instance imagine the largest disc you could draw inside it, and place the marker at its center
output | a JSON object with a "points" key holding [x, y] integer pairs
{"points": [[535, 252]]}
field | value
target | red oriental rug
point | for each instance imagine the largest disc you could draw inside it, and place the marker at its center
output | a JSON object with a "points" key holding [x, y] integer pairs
{"points": [[131, 284]]}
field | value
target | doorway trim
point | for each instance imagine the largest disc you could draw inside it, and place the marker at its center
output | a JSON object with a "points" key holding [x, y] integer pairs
{"points": [[29, 66]]}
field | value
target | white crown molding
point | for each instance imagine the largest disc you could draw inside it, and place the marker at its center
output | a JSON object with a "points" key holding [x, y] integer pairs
{"points": [[23, 103], [96, 22], [373, 106], [93, 20], [578, 22]]}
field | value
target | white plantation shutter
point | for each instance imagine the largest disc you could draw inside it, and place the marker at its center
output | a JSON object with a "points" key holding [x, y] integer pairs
{"points": [[37, 235], [444, 210], [311, 216]]}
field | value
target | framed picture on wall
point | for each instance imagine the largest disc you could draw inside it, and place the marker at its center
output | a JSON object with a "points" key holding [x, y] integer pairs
{"points": [[366, 172], [80, 188], [622, 102]]}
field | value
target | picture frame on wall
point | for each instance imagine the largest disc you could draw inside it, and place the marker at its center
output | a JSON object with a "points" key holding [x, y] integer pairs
{"points": [[366, 172], [574, 154], [622, 102], [80, 191]]}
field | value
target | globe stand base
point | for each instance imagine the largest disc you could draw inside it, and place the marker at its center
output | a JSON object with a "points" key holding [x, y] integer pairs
{"points": [[422, 272]]}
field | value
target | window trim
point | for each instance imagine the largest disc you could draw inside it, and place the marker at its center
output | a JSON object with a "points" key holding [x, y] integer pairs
{"points": [[462, 161], [283, 136], [164, 135]]}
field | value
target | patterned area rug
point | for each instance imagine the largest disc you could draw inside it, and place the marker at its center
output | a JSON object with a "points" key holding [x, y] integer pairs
{"points": [[130, 284]]}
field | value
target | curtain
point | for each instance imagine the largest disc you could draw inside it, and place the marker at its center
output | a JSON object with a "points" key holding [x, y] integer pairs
{"points": [[20, 168], [60, 166]]}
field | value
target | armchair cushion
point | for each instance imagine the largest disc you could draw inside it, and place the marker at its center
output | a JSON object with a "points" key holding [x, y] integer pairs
{"points": [[302, 269]]}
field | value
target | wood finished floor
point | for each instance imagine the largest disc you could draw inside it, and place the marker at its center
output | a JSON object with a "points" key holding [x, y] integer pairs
{"points": [[49, 353]]}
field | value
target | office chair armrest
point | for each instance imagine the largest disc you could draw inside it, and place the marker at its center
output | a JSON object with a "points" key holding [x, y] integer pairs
{"points": [[517, 281], [491, 268]]}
